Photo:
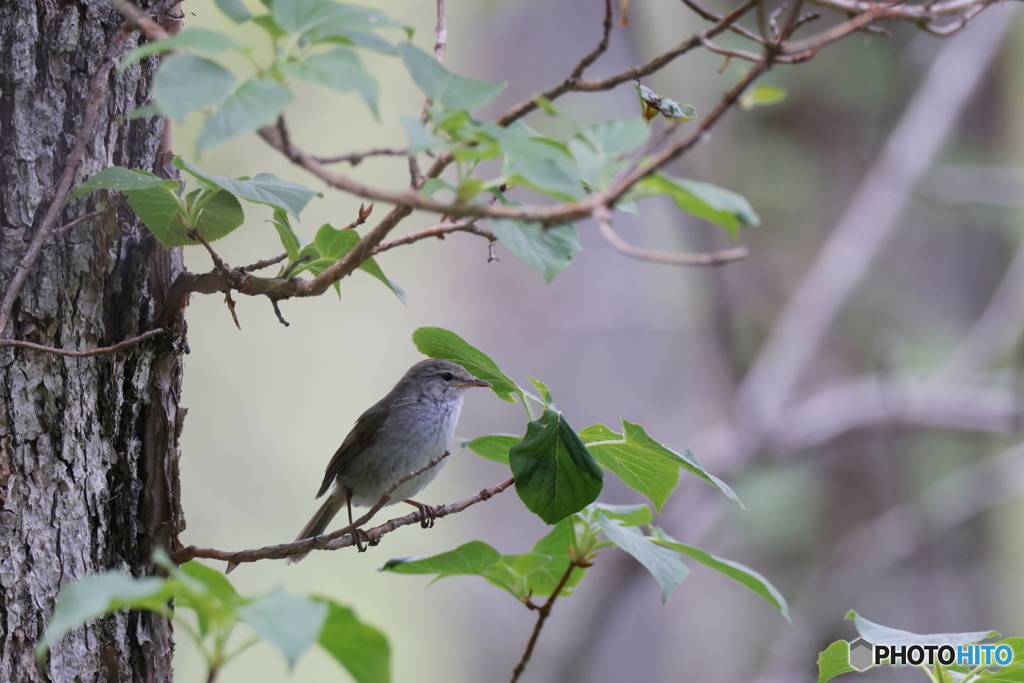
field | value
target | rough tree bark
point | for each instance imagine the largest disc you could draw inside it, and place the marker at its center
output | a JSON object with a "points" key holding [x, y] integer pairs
{"points": [[88, 446]]}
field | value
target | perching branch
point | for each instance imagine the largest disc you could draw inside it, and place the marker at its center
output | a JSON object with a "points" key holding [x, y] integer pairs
{"points": [[342, 538]]}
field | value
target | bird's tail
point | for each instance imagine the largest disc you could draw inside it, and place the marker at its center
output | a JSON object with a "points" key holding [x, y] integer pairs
{"points": [[318, 524]]}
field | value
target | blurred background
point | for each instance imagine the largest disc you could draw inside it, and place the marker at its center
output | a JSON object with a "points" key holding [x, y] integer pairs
{"points": [[856, 379]]}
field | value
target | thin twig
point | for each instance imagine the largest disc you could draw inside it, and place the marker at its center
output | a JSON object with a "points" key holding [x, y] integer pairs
{"points": [[711, 16], [714, 258], [97, 88], [218, 262], [542, 614], [578, 85], [120, 346], [438, 231], [601, 47], [89, 216], [142, 20], [357, 158], [442, 33], [266, 263]]}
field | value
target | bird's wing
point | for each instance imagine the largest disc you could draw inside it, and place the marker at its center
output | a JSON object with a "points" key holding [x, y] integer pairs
{"points": [[363, 434]]}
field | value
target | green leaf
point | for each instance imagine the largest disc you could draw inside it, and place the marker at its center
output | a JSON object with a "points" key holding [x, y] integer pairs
{"points": [[445, 88], [119, 179], [289, 240], [1013, 673], [546, 250], [158, 209], [493, 447], [290, 622], [219, 217], [339, 69], [535, 575], [371, 41], [99, 594], [196, 39], [664, 564], [650, 474], [521, 575], [335, 244], [436, 342], [254, 104], [265, 188], [599, 149], [185, 83], [615, 138], [720, 206], [652, 104], [298, 16], [433, 184], [537, 162], [234, 10], [144, 111], [360, 648], [645, 465], [267, 23], [555, 474], [629, 515], [323, 20], [419, 138], [883, 635], [472, 558], [216, 584], [834, 660], [762, 96], [545, 393], [734, 570]]}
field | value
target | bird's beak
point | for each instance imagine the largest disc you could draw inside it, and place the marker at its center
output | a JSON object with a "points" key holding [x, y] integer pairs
{"points": [[473, 383]]}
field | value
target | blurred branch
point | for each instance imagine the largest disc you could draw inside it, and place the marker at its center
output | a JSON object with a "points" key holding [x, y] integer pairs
{"points": [[866, 224], [998, 328], [715, 258], [577, 84], [925, 14], [877, 400], [357, 158]]}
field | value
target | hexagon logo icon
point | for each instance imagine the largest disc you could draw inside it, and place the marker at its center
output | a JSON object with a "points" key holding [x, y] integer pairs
{"points": [[861, 654]]}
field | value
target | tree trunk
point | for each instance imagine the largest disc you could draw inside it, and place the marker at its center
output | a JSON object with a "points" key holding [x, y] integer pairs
{"points": [[88, 446]]}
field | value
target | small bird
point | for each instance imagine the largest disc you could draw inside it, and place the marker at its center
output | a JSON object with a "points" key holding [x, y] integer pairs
{"points": [[399, 434]]}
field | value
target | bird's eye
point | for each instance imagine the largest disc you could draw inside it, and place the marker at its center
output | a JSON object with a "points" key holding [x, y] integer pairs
{"points": [[447, 376]]}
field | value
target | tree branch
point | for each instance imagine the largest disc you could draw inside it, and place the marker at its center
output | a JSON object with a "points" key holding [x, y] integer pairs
{"points": [[438, 231], [543, 612], [716, 258], [342, 538], [357, 158], [120, 346], [866, 224]]}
